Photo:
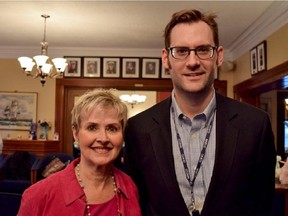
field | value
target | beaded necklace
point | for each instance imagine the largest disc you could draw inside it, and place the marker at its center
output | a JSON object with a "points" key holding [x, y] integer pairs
{"points": [[82, 186]]}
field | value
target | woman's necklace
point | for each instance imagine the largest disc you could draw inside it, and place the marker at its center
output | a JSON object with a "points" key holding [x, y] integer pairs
{"points": [[82, 186]]}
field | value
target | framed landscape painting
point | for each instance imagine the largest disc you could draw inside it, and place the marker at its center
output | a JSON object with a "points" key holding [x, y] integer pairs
{"points": [[17, 110]]}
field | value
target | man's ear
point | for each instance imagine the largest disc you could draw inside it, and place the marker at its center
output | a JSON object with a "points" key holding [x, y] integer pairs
{"points": [[165, 58], [220, 56]]}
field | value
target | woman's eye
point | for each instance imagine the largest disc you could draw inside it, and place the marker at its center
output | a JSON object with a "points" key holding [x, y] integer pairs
{"points": [[91, 127], [113, 129]]}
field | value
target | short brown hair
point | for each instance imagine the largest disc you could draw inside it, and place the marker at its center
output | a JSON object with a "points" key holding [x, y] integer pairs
{"points": [[190, 16], [97, 97]]}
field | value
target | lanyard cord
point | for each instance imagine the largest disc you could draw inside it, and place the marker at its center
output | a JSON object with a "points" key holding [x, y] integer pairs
{"points": [[201, 157]]}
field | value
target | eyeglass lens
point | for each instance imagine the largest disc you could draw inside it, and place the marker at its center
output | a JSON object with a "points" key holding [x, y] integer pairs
{"points": [[203, 52]]}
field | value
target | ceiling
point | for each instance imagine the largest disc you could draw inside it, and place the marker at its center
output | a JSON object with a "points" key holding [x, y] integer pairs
{"points": [[85, 27]]}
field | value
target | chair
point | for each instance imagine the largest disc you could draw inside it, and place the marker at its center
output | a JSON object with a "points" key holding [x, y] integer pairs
{"points": [[39, 166], [15, 172], [9, 203]]}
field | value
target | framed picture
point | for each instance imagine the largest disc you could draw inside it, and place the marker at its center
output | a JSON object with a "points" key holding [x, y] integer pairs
{"points": [[253, 61], [261, 56], [165, 73], [150, 67], [111, 67], [130, 67], [73, 68], [92, 67], [17, 110]]}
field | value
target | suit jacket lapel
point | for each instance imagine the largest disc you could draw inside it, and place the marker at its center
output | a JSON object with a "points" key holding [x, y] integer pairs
{"points": [[226, 136], [162, 146]]}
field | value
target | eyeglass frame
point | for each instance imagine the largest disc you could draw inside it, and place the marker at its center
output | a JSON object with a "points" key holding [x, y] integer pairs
{"points": [[214, 48]]}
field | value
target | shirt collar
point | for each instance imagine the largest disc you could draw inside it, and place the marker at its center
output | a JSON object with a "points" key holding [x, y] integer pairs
{"points": [[206, 115]]}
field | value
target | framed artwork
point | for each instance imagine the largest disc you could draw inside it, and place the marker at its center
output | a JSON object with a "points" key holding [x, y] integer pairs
{"points": [[73, 68], [130, 67], [111, 67], [261, 56], [150, 67], [165, 73], [253, 61], [17, 110], [92, 67]]}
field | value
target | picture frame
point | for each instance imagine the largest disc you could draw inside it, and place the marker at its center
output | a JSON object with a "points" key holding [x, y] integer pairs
{"points": [[150, 67], [92, 67], [18, 110], [253, 61], [261, 57], [130, 67], [73, 68], [165, 73], [111, 67]]}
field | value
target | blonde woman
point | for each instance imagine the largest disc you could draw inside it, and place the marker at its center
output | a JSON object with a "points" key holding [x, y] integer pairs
{"points": [[90, 185]]}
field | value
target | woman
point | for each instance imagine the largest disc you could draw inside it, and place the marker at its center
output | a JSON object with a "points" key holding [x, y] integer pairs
{"points": [[90, 185]]}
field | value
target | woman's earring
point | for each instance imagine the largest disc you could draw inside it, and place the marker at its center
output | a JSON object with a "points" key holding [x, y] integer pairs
{"points": [[76, 144]]}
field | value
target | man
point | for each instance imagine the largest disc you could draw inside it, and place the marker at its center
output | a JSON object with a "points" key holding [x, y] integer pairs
{"points": [[199, 152], [72, 67], [111, 67], [92, 67], [130, 67]]}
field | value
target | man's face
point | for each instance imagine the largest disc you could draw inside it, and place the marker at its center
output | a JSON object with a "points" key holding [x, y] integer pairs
{"points": [[111, 66], [73, 64], [192, 74]]}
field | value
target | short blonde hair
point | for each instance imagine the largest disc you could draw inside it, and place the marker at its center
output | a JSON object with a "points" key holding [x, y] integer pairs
{"points": [[98, 97]]}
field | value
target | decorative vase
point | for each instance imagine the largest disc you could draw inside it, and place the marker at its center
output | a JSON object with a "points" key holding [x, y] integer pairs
{"points": [[43, 134]]}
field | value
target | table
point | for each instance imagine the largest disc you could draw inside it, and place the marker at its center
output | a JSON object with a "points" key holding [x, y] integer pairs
{"points": [[39, 147], [282, 189]]}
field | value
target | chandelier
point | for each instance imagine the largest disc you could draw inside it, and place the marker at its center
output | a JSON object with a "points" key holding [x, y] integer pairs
{"points": [[133, 99], [43, 69]]}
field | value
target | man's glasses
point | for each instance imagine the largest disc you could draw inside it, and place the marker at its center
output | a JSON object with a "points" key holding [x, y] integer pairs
{"points": [[202, 52]]}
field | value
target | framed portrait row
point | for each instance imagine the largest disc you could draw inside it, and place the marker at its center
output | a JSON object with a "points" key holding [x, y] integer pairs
{"points": [[115, 67]]}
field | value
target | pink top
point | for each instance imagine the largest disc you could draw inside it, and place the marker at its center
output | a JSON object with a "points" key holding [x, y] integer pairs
{"points": [[108, 208], [61, 194]]}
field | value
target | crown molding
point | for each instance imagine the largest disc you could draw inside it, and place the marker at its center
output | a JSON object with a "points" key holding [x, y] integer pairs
{"points": [[272, 19], [53, 52]]}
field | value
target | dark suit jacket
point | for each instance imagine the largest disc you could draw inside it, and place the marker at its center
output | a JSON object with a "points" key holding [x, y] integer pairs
{"points": [[243, 177]]}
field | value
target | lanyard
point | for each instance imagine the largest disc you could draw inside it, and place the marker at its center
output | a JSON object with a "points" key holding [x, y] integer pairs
{"points": [[200, 160]]}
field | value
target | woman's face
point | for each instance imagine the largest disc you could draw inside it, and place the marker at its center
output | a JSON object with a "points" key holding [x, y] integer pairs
{"points": [[100, 136]]}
